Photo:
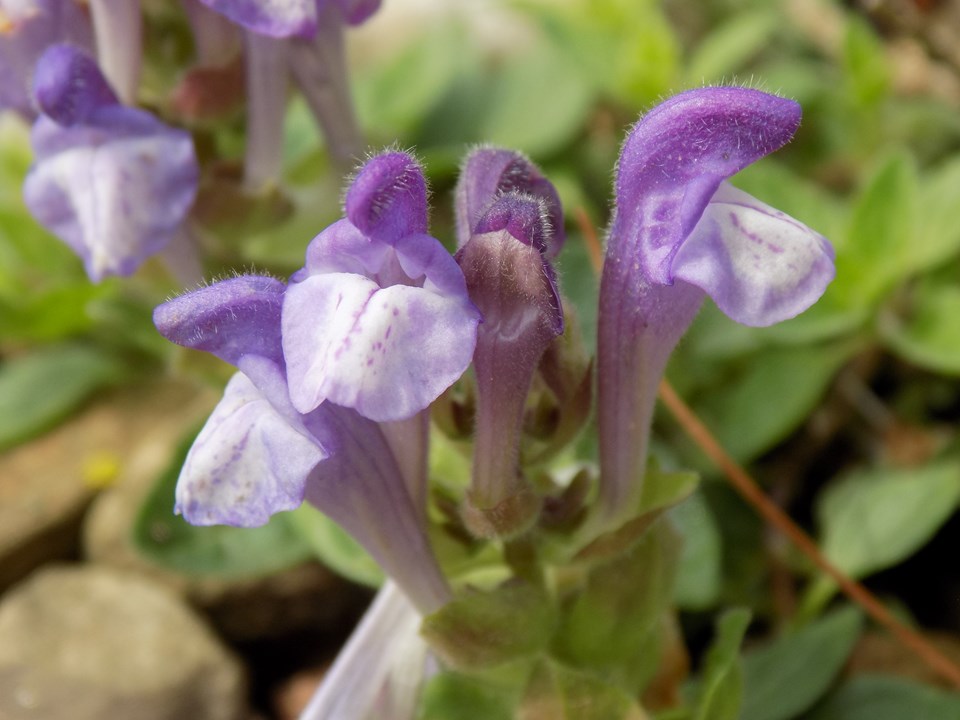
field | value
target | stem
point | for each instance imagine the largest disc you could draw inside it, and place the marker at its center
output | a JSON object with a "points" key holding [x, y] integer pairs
{"points": [[500, 501], [319, 68], [266, 106], [118, 29], [751, 492], [215, 38], [182, 259]]}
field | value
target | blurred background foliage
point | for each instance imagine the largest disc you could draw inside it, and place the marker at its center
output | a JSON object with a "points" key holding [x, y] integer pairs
{"points": [[848, 414]]}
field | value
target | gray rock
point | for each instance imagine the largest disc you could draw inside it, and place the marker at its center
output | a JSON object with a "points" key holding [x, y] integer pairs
{"points": [[89, 643], [47, 485]]}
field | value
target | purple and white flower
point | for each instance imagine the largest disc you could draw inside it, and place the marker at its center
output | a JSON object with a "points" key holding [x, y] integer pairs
{"points": [[379, 319], [113, 182], [681, 232]]}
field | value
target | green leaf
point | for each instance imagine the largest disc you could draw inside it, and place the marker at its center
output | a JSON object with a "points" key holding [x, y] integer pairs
{"points": [[335, 548], [699, 576], [627, 48], [721, 686], [865, 63], [559, 693], [927, 333], [727, 48], [938, 219], [538, 102], [216, 551], [40, 389], [879, 248], [484, 629], [876, 697], [396, 94], [613, 625], [874, 519], [769, 395], [789, 675], [53, 314], [451, 695]]}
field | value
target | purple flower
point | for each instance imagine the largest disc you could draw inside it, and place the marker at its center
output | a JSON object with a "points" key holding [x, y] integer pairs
{"points": [[681, 232], [111, 181], [257, 455], [379, 319], [286, 18], [27, 28], [490, 172]]}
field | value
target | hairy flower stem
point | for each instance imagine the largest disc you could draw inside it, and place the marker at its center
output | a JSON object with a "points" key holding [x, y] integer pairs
{"points": [[118, 29], [633, 349], [500, 501]]}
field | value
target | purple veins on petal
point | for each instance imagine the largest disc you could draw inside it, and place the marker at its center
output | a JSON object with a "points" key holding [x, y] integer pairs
{"points": [[230, 319], [247, 463], [678, 154], [387, 350], [379, 319], [759, 265]]}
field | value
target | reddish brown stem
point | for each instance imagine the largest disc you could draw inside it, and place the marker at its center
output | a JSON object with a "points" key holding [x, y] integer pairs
{"points": [[590, 239], [751, 492]]}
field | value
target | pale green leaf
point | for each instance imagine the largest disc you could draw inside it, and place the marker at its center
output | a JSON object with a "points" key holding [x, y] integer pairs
{"points": [[334, 547], [877, 697], [43, 387], [721, 686], [928, 331], [787, 676], [876, 518]]}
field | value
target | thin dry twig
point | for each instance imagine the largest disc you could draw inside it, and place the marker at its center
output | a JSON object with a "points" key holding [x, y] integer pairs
{"points": [[771, 512], [590, 239]]}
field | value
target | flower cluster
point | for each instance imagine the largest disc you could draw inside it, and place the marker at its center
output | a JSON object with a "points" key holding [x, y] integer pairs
{"points": [[339, 366]]}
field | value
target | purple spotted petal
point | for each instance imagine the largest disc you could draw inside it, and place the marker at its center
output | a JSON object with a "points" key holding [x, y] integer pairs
{"points": [[490, 172], [277, 18], [387, 351], [675, 159], [387, 200], [247, 463], [115, 187], [759, 265], [27, 28], [230, 319]]}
